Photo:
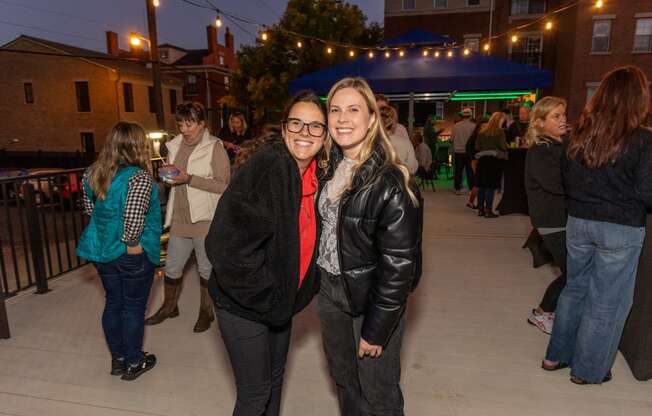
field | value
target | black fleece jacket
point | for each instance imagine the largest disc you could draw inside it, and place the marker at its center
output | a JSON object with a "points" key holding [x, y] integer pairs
{"points": [[544, 184], [253, 241]]}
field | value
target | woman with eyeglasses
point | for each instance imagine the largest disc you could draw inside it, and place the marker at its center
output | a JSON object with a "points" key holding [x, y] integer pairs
{"points": [[262, 247]]}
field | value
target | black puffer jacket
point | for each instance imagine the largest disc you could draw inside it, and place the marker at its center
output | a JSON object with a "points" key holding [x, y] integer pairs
{"points": [[379, 241], [253, 241]]}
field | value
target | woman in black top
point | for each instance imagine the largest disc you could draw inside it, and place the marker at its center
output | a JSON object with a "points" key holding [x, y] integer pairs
{"points": [[234, 134], [607, 182], [545, 193]]}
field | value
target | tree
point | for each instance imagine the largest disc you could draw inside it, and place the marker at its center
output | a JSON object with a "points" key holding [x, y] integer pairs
{"points": [[264, 70]]}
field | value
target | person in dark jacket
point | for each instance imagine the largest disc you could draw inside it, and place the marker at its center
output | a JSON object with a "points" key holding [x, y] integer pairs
{"points": [[261, 244], [545, 193], [489, 145], [369, 253], [606, 172], [234, 134]]}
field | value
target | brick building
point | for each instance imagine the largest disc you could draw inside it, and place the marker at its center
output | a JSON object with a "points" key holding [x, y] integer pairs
{"points": [[206, 72], [59, 104], [584, 43]]}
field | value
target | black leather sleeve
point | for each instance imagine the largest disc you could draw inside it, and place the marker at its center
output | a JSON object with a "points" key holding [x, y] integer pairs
{"points": [[398, 239]]}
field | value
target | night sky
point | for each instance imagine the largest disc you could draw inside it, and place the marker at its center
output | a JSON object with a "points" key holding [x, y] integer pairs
{"points": [[83, 22]]}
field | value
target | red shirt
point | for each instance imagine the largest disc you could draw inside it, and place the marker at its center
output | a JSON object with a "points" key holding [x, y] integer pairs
{"points": [[307, 219]]}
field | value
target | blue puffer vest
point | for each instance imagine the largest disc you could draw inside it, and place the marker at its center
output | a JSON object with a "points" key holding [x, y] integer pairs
{"points": [[101, 240]]}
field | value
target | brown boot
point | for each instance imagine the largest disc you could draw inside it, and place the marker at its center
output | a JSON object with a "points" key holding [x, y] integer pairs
{"points": [[169, 309], [206, 315]]}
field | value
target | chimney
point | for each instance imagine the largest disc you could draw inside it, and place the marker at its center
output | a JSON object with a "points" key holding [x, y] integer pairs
{"points": [[211, 36], [228, 40], [112, 43]]}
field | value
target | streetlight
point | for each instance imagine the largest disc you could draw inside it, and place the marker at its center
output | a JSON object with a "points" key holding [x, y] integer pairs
{"points": [[136, 40]]}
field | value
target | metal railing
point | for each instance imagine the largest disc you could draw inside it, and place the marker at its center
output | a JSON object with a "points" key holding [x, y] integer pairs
{"points": [[41, 219]]}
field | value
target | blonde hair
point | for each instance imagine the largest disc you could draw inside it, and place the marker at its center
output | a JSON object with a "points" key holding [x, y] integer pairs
{"points": [[376, 133], [494, 125], [126, 144], [242, 121], [538, 113]]}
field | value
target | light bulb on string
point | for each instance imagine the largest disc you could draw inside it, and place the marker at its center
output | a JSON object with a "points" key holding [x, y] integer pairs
{"points": [[218, 21], [549, 26], [351, 53], [599, 4], [329, 50], [437, 54], [371, 54], [514, 39], [425, 52], [299, 44], [401, 54], [387, 54], [450, 54], [467, 51], [264, 36], [487, 47], [156, 3]]}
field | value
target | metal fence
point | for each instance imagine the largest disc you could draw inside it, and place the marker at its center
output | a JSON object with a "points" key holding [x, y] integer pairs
{"points": [[41, 219]]}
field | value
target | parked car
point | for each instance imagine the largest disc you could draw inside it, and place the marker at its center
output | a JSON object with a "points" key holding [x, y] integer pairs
{"points": [[52, 185]]}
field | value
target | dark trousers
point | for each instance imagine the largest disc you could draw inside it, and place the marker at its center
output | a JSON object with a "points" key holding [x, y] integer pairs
{"points": [[258, 354], [127, 282], [486, 199], [556, 244], [462, 165], [365, 386]]}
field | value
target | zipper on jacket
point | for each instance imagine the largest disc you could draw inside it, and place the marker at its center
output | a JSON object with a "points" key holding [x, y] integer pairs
{"points": [[339, 249]]}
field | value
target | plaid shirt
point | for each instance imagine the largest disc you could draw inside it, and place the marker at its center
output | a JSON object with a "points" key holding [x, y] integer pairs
{"points": [[136, 206]]}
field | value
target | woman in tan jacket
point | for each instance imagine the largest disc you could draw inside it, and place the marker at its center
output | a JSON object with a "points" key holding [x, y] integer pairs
{"points": [[203, 175]]}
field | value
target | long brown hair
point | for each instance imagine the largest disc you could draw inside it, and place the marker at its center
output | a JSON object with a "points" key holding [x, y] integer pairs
{"points": [[126, 144], [375, 134], [539, 114], [617, 109], [494, 125]]}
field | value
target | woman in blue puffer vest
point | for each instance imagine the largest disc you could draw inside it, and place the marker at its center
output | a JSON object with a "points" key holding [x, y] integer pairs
{"points": [[122, 239]]}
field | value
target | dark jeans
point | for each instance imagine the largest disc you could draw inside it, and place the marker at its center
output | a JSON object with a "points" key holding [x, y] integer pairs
{"points": [[127, 282], [556, 245], [486, 198], [463, 164], [258, 354], [365, 386]]}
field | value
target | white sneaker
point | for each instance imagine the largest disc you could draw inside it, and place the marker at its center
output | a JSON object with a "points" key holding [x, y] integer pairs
{"points": [[544, 321]]}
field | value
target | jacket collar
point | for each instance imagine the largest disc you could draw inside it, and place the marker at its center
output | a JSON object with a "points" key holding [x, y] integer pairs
{"points": [[206, 140], [549, 141], [364, 174]]}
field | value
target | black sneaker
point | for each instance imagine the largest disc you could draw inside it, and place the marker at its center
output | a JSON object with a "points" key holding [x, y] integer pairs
{"points": [[133, 371], [118, 366]]}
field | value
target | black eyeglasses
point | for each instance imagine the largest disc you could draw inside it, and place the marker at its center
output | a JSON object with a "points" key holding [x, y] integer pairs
{"points": [[295, 125]]}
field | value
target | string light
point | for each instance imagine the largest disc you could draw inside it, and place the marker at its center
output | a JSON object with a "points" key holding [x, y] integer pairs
{"points": [[329, 50], [514, 39], [156, 3], [599, 4], [437, 54], [466, 51], [299, 44], [264, 36], [401, 54], [371, 54], [549, 26], [218, 21], [351, 54], [387, 54], [450, 54], [486, 47], [425, 52]]}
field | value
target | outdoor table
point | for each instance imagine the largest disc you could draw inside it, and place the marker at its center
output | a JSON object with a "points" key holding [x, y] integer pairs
{"points": [[514, 200], [636, 343]]}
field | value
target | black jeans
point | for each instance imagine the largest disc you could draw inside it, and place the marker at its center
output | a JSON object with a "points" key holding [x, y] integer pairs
{"points": [[556, 245], [127, 282], [258, 354], [463, 164], [365, 386]]}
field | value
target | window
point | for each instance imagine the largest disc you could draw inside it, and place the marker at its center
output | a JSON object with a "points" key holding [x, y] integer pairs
{"points": [[128, 95], [221, 59], [408, 4], [440, 4], [590, 90], [88, 143], [191, 85], [83, 98], [173, 101], [601, 36], [521, 7], [528, 50], [468, 104], [643, 37], [152, 99], [439, 110], [471, 3], [472, 44], [29, 93]]}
